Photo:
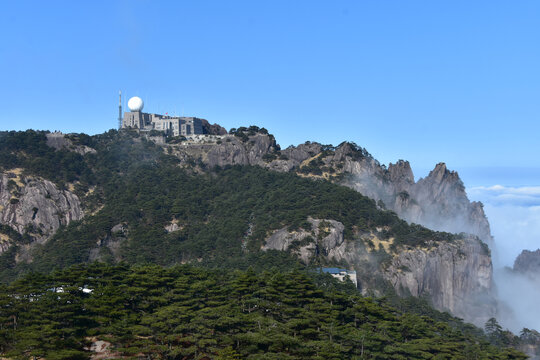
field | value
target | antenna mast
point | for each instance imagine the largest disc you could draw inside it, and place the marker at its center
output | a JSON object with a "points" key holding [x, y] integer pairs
{"points": [[120, 110]]}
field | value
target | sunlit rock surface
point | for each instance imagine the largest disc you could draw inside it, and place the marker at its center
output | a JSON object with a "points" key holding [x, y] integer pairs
{"points": [[455, 276], [35, 206]]}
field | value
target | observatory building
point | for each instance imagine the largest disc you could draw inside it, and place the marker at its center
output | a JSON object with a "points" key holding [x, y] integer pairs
{"points": [[170, 125]]}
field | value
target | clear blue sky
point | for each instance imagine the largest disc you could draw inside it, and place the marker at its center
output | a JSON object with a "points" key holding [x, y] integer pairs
{"points": [[427, 81]]}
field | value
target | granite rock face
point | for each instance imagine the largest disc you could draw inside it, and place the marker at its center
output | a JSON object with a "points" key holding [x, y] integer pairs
{"points": [[226, 150], [445, 205], [297, 154], [438, 201], [456, 276], [325, 237], [35, 206]]}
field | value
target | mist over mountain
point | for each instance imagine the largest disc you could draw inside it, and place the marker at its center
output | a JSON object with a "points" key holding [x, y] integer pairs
{"points": [[514, 216]]}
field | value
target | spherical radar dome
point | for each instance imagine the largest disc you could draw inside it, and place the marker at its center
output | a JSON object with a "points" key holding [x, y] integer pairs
{"points": [[135, 104]]}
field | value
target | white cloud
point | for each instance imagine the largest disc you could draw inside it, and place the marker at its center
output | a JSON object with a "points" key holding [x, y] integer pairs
{"points": [[504, 195], [519, 294], [514, 216]]}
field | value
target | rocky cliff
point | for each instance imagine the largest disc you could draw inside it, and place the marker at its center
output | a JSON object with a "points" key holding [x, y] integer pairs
{"points": [[445, 206], [456, 275], [35, 206], [438, 201], [325, 237]]}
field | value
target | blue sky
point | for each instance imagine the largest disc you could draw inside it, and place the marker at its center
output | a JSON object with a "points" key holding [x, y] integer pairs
{"points": [[426, 81]]}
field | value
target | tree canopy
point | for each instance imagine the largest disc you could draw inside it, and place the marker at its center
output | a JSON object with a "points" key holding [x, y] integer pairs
{"points": [[186, 312]]}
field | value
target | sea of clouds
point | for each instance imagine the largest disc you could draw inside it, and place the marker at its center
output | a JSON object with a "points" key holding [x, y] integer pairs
{"points": [[514, 216]]}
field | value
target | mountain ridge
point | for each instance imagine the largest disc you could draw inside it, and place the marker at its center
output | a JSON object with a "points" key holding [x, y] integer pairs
{"points": [[101, 175]]}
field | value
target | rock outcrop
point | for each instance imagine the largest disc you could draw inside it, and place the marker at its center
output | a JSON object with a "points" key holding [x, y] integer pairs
{"points": [[456, 276], [528, 262], [35, 206], [59, 141], [438, 201], [212, 129], [325, 237], [226, 150], [445, 206]]}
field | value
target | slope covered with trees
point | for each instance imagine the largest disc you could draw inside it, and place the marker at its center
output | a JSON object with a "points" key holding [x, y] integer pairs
{"points": [[222, 215], [191, 313]]}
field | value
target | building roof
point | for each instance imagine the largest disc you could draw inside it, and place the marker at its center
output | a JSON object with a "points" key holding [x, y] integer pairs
{"points": [[337, 271]]}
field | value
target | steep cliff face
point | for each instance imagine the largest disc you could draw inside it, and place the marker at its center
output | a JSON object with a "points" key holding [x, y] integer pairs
{"points": [[456, 276], [438, 201], [35, 206], [445, 206], [325, 237]]}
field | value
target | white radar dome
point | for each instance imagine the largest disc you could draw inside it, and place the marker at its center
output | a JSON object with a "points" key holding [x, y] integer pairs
{"points": [[135, 104]]}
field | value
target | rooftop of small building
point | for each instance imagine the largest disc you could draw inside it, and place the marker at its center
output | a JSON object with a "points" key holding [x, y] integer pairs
{"points": [[337, 271]]}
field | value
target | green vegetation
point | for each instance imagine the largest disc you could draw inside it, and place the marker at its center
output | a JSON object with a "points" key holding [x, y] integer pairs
{"points": [[272, 311], [29, 150], [250, 131], [137, 185], [214, 212], [191, 313], [245, 132], [315, 167]]}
